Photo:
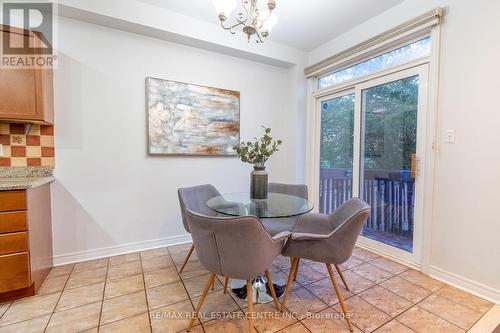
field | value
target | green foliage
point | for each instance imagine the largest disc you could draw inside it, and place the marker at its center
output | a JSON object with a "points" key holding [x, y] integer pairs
{"points": [[337, 126], [258, 151], [390, 118], [391, 124]]}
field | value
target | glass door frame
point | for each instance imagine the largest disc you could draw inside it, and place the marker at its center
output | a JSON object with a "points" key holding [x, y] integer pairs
{"points": [[420, 68], [421, 71]]}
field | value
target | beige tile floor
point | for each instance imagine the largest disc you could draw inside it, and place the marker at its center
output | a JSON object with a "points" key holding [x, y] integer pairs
{"points": [[143, 292]]}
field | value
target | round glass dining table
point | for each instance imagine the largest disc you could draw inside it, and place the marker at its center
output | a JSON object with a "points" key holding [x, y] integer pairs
{"points": [[276, 206]]}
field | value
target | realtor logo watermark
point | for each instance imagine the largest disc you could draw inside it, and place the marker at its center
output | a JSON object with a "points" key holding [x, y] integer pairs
{"points": [[27, 35]]}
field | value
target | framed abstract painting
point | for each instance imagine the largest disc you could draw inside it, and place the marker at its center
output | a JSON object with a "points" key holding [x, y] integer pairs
{"points": [[190, 119]]}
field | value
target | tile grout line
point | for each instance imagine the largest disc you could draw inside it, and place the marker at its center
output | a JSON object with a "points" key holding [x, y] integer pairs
{"points": [[20, 300], [357, 294], [327, 305], [480, 318], [103, 293], [58, 300], [380, 284], [436, 313], [8, 307], [127, 293], [431, 294], [417, 305], [185, 289], [145, 291], [465, 306]]}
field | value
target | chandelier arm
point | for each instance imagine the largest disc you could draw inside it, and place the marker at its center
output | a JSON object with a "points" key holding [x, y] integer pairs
{"points": [[244, 4], [268, 16], [231, 27], [259, 37], [241, 21]]}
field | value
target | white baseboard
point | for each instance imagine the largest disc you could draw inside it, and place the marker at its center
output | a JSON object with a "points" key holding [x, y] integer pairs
{"points": [[460, 282], [70, 258]]}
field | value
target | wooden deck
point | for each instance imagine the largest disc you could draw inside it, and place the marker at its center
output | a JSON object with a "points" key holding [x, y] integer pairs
{"points": [[400, 242], [390, 194]]}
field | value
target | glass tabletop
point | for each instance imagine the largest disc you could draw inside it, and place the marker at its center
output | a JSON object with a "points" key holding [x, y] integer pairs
{"points": [[276, 205]]}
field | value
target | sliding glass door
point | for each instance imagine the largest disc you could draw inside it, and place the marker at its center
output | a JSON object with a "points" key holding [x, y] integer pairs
{"points": [[388, 153], [371, 138]]}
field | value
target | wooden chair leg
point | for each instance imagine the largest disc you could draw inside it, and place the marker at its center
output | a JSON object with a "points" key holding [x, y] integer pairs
{"points": [[337, 267], [187, 258], [291, 274], [226, 281], [339, 295], [201, 301], [271, 287], [213, 285], [250, 306], [296, 270]]}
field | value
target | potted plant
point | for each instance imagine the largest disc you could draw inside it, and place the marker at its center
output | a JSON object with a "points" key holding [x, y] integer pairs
{"points": [[257, 153]]}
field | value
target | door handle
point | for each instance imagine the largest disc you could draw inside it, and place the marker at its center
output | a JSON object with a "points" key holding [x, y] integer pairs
{"points": [[415, 170]]}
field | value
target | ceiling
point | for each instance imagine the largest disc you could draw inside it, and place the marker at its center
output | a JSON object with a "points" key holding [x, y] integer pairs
{"points": [[301, 24]]}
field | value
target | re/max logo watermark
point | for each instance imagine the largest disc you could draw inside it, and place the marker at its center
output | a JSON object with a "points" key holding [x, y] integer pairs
{"points": [[27, 35]]}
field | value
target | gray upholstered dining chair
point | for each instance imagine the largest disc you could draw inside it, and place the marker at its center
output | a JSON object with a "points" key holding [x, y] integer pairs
{"points": [[234, 247], [329, 239], [194, 198], [277, 225]]}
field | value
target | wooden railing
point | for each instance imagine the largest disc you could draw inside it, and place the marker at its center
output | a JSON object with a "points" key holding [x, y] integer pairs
{"points": [[390, 194]]}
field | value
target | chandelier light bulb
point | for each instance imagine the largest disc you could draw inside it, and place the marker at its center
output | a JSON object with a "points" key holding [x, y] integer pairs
{"points": [[271, 4], [224, 7], [269, 24]]}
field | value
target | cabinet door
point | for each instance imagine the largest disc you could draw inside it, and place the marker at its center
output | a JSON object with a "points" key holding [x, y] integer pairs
{"points": [[12, 200], [17, 88], [15, 272], [12, 221]]}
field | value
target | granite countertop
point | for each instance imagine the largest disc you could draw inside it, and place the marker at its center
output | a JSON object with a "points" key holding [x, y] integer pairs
{"points": [[21, 178], [22, 183]]}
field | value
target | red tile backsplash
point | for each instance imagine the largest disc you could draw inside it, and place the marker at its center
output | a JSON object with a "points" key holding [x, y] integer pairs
{"points": [[16, 128], [34, 161], [4, 139], [33, 140], [46, 130], [18, 151], [47, 152], [38, 145]]}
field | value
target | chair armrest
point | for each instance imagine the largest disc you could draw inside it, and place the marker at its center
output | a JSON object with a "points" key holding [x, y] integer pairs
{"points": [[307, 236], [282, 235]]}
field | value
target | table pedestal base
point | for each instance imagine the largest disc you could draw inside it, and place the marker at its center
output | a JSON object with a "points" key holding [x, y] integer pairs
{"points": [[260, 292]]}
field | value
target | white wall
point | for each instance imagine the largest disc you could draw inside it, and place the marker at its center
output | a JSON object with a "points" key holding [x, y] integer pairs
{"points": [[154, 21], [108, 192], [465, 233]]}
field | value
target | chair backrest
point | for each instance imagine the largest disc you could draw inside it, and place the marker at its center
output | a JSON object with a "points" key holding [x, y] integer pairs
{"points": [[235, 247], [347, 222], [292, 189], [195, 199]]}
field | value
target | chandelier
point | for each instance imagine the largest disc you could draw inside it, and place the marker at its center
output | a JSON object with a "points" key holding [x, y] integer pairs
{"points": [[254, 20]]}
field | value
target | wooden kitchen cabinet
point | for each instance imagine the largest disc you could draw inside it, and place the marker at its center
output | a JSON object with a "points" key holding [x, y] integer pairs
{"points": [[26, 95], [25, 241]]}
